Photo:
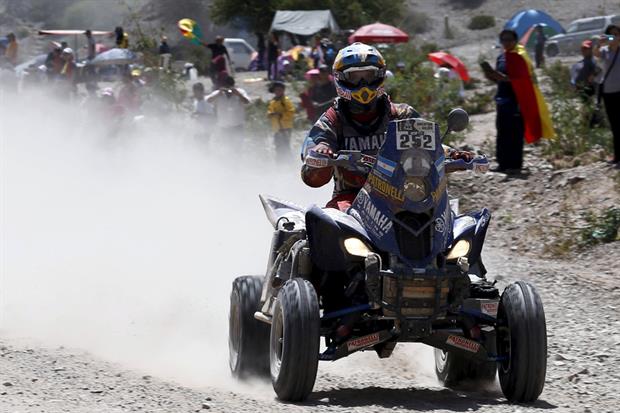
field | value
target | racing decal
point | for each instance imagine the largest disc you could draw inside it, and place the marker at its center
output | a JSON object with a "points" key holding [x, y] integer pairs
{"points": [[386, 189], [489, 308], [364, 143], [440, 225], [463, 343], [386, 166], [376, 220], [363, 342], [440, 163], [415, 134], [438, 192]]}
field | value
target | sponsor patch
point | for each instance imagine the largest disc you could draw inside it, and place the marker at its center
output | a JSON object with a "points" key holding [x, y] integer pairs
{"points": [[363, 342], [376, 221], [386, 166], [463, 343], [439, 191], [439, 164], [440, 225], [489, 308], [415, 134], [316, 162], [384, 188], [364, 143]]}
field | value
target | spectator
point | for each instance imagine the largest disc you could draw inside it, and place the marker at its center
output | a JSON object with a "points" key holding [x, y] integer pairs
{"points": [[324, 92], [11, 49], [203, 110], [584, 74], [445, 74], [260, 46], [54, 63], [281, 112], [521, 110], [229, 102], [122, 38], [91, 45], [306, 101], [607, 50], [273, 51], [68, 71], [220, 61], [129, 95], [164, 54], [539, 46]]}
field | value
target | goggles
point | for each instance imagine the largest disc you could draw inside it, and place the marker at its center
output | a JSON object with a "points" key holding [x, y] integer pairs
{"points": [[366, 75]]}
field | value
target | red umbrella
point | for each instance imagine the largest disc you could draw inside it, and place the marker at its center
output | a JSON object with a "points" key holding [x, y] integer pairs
{"points": [[443, 58], [379, 33]]}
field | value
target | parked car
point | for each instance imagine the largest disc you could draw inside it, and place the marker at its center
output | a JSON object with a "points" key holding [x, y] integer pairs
{"points": [[240, 52], [578, 31]]}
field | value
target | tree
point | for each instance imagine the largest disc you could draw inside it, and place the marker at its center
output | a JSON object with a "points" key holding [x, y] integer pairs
{"points": [[256, 15]]}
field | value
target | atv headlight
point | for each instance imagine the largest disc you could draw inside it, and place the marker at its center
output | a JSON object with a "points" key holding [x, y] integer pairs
{"points": [[356, 247], [416, 162], [416, 189], [459, 250]]}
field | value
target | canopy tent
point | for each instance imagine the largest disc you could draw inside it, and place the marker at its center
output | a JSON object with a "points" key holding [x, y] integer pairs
{"points": [[304, 23], [529, 38], [379, 33], [115, 57], [525, 19], [76, 34]]}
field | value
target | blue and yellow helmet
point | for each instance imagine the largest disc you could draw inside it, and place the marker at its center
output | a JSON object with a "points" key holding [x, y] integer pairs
{"points": [[359, 73]]}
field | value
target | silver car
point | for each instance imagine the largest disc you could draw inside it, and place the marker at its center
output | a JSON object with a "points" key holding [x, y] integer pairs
{"points": [[578, 31]]}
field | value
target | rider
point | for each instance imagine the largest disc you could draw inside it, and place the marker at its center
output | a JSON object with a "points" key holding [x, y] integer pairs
{"points": [[357, 120]]}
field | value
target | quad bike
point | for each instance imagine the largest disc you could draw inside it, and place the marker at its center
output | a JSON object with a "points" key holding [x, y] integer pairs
{"points": [[399, 266]]}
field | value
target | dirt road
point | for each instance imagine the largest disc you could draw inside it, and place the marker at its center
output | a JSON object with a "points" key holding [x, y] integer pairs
{"points": [[584, 333]]}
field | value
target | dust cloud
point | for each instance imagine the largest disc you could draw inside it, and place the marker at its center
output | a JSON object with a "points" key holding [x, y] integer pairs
{"points": [[125, 244]]}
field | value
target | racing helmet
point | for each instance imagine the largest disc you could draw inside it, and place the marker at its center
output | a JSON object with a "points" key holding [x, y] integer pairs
{"points": [[359, 73]]}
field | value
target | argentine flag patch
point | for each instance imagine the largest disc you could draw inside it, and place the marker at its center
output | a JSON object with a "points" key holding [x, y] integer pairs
{"points": [[386, 166]]}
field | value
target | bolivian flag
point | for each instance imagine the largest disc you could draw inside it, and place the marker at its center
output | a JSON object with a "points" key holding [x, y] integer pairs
{"points": [[533, 107], [190, 30]]}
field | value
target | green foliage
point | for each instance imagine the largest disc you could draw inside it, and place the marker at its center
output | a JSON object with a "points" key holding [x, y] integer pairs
{"points": [[256, 117], [481, 22], [480, 102], [571, 116], [258, 14], [416, 22], [601, 228]]}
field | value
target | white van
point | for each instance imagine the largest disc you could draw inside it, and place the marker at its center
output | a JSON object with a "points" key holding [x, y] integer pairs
{"points": [[240, 52], [578, 31]]}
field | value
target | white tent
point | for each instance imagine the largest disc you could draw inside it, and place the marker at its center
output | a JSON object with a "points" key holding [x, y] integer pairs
{"points": [[305, 23]]}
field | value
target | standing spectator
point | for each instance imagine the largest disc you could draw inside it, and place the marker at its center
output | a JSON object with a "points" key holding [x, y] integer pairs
{"points": [[273, 51], [68, 72], [607, 50], [281, 112], [164, 53], [54, 63], [129, 96], [306, 101], [260, 46], [521, 110], [203, 110], [220, 62], [539, 46], [122, 38], [584, 74], [11, 49], [229, 102], [324, 92], [91, 45]]}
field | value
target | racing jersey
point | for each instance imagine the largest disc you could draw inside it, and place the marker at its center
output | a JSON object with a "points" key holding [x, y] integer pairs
{"points": [[340, 132]]}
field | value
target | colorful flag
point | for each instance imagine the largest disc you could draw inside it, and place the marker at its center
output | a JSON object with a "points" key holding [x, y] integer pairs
{"points": [[386, 166], [190, 30], [533, 107]]}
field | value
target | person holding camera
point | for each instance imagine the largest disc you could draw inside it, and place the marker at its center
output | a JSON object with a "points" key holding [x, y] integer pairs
{"points": [[229, 102], [607, 51]]}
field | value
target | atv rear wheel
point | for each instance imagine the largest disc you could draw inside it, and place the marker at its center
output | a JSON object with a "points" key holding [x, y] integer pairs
{"points": [[452, 368], [294, 343], [248, 338], [522, 343]]}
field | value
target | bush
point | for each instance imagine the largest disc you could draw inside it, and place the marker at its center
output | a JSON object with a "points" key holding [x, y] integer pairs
{"points": [[602, 228], [480, 102], [481, 22], [416, 22], [571, 116]]}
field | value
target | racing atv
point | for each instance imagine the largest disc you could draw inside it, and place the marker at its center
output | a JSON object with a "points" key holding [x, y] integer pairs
{"points": [[398, 266]]}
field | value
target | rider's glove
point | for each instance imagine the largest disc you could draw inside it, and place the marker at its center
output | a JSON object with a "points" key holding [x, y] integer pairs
{"points": [[464, 155]]}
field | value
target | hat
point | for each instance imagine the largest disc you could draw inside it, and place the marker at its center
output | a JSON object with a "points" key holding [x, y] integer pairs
{"points": [[323, 68], [276, 83], [587, 44], [67, 50]]}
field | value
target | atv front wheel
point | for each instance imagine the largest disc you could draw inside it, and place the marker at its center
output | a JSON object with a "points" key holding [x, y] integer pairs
{"points": [[294, 343], [521, 343], [452, 368], [248, 338]]}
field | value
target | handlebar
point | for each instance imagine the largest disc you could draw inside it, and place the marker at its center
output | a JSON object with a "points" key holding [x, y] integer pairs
{"points": [[357, 161]]}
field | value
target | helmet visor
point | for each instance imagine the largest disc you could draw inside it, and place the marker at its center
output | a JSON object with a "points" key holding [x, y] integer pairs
{"points": [[367, 75]]}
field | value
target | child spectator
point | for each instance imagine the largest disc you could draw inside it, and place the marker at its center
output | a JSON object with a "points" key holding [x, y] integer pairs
{"points": [[281, 112]]}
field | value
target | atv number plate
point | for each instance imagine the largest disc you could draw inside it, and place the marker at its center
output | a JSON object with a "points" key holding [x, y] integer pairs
{"points": [[416, 134]]}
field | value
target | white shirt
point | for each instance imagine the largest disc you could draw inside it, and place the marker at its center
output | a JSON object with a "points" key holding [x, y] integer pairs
{"points": [[229, 109], [202, 107]]}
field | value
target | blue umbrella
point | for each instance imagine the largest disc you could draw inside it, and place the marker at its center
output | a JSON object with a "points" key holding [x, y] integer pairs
{"points": [[115, 57], [34, 62], [525, 19]]}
